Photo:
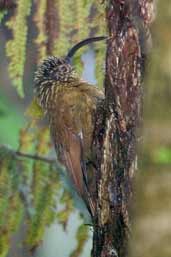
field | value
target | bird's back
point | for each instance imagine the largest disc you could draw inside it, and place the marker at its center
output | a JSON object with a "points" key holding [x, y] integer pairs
{"points": [[75, 110], [72, 125]]}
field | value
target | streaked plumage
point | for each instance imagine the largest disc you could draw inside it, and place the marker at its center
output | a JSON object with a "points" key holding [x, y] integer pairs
{"points": [[70, 104]]}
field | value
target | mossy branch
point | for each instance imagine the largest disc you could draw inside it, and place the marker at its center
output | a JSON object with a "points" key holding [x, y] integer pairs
{"points": [[35, 157]]}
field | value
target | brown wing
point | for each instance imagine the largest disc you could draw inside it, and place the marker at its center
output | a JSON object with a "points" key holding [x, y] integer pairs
{"points": [[66, 126], [72, 129], [70, 156]]}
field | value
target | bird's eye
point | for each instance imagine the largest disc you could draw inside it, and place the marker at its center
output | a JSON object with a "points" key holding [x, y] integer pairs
{"points": [[63, 68]]}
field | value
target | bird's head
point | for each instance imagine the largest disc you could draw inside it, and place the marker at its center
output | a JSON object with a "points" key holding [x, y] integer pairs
{"points": [[54, 69], [59, 69]]}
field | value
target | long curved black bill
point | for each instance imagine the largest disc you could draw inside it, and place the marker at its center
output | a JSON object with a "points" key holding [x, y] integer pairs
{"points": [[84, 42]]}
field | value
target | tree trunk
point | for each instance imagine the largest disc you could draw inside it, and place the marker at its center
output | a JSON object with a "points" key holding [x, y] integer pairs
{"points": [[116, 126]]}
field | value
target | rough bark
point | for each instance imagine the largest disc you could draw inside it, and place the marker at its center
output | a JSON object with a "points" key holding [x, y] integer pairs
{"points": [[117, 122]]}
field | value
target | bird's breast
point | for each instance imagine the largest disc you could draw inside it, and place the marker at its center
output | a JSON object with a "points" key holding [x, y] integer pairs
{"points": [[73, 110]]}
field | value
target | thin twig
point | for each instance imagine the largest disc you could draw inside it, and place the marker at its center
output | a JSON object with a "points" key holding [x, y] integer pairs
{"points": [[35, 157]]}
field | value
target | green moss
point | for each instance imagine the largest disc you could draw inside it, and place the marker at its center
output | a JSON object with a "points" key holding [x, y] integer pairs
{"points": [[82, 237], [44, 187], [62, 43], [40, 23], [2, 14], [11, 208], [74, 24], [64, 214], [16, 47]]}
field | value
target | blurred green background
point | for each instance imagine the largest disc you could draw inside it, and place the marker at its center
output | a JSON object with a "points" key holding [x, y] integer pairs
{"points": [[56, 241], [152, 197]]}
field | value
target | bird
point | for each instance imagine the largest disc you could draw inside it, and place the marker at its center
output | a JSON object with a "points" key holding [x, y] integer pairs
{"points": [[70, 103]]}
